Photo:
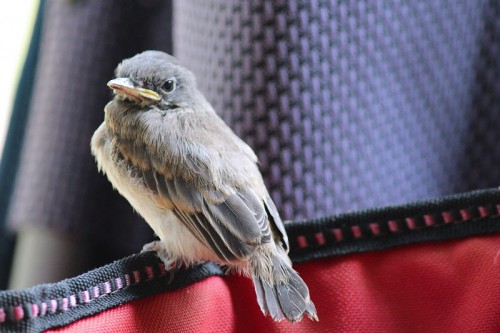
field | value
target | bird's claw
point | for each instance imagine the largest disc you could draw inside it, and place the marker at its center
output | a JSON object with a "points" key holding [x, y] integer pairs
{"points": [[169, 264], [155, 246]]}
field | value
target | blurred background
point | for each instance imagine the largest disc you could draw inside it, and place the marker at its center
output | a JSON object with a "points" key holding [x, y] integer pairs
{"points": [[16, 25], [16, 28], [349, 105]]}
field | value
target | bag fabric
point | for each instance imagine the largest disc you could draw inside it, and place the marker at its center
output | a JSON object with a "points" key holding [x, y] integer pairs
{"points": [[430, 266]]}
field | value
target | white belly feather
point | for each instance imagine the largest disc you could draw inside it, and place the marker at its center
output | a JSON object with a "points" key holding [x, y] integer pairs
{"points": [[178, 241]]}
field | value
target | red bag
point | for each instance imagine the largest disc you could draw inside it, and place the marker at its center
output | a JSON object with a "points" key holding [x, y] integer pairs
{"points": [[427, 267]]}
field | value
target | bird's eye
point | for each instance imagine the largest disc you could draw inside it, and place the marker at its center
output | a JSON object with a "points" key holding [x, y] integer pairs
{"points": [[169, 85]]}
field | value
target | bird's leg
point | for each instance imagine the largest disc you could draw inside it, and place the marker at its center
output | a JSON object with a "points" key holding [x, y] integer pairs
{"points": [[161, 252]]}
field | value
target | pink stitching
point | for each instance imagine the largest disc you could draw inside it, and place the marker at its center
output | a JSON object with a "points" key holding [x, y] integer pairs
{"points": [[447, 218], [149, 272], [356, 231], [107, 287], [465, 214], [64, 304], [118, 283], [72, 301], [85, 296], [338, 234], [393, 225], [162, 269], [53, 306], [43, 309], [320, 238], [95, 291], [483, 211], [18, 312], [34, 310], [302, 241], [375, 228], [429, 220], [137, 276], [411, 223], [127, 280]]}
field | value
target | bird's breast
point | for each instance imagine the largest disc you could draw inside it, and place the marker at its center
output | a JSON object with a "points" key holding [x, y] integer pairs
{"points": [[177, 239]]}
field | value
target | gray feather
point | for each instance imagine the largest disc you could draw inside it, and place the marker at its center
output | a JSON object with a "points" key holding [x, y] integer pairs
{"points": [[238, 218], [238, 247], [257, 206], [286, 295], [260, 293], [277, 223], [161, 187], [219, 227], [149, 180], [216, 241], [270, 301], [185, 193]]}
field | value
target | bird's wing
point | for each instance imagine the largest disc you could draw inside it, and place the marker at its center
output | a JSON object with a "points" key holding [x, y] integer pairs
{"points": [[276, 223], [232, 228], [223, 202]]}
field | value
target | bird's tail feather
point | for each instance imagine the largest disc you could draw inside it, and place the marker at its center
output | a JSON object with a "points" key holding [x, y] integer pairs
{"points": [[285, 295]]}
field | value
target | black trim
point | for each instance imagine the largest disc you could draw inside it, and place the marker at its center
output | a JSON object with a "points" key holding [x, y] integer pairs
{"points": [[453, 217], [451, 204], [86, 282]]}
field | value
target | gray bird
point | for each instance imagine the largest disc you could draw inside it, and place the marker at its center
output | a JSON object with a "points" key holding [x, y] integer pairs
{"points": [[196, 183]]}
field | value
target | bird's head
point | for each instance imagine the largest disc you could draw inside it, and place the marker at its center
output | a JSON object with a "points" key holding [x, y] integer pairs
{"points": [[153, 78]]}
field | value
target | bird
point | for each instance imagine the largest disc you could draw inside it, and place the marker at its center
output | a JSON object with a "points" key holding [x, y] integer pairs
{"points": [[195, 182]]}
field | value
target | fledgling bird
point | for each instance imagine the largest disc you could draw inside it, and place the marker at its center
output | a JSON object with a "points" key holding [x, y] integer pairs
{"points": [[194, 181]]}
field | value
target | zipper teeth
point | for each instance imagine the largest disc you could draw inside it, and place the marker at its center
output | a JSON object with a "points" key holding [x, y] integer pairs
{"points": [[333, 232], [55, 306]]}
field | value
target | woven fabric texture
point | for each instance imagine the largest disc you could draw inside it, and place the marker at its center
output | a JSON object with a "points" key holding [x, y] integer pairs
{"points": [[353, 104], [407, 289]]}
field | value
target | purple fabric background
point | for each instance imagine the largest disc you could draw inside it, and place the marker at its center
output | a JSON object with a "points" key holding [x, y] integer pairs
{"points": [[353, 104]]}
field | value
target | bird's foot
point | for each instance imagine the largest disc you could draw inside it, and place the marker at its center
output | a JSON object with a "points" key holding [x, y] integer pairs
{"points": [[158, 247]]}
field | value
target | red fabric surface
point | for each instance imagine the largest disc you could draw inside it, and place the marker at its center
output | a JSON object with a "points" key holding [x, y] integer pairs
{"points": [[451, 286]]}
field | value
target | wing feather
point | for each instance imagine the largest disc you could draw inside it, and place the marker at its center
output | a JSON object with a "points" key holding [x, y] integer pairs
{"points": [[229, 217], [232, 228], [276, 222], [237, 217]]}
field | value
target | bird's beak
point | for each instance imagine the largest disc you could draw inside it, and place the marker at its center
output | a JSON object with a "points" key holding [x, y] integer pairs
{"points": [[125, 86]]}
